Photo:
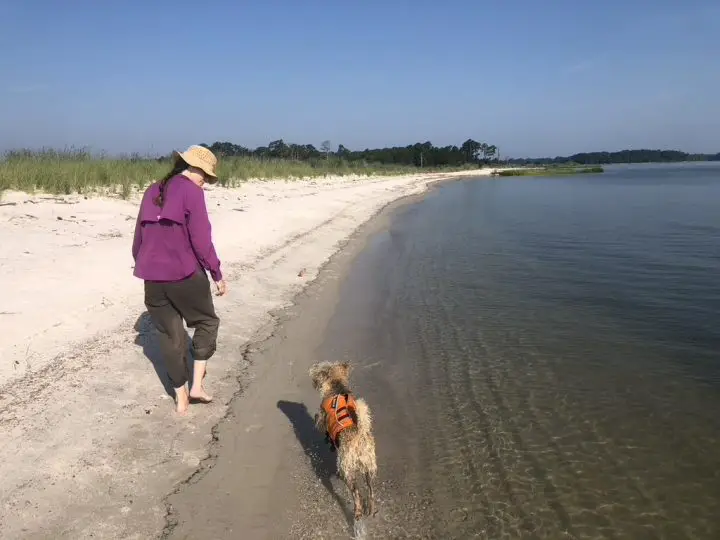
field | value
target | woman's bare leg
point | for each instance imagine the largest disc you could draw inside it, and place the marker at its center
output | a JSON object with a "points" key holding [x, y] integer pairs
{"points": [[197, 392], [182, 400]]}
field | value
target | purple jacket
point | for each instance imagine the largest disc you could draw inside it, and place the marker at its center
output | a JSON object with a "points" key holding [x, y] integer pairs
{"points": [[172, 242]]}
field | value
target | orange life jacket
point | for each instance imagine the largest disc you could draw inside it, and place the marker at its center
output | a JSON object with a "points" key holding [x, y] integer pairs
{"points": [[337, 409]]}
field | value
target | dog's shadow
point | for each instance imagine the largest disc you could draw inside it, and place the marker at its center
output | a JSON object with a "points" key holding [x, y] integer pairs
{"points": [[322, 460]]}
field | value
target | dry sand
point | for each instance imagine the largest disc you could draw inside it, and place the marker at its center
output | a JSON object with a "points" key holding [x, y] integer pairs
{"points": [[90, 444]]}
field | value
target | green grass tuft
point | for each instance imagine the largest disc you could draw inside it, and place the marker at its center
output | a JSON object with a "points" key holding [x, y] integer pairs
{"points": [[77, 171], [549, 171]]}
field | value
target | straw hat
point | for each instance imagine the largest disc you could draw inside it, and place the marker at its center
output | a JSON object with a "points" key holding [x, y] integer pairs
{"points": [[200, 157]]}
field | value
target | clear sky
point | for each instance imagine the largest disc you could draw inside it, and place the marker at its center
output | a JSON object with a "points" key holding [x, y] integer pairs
{"points": [[533, 77]]}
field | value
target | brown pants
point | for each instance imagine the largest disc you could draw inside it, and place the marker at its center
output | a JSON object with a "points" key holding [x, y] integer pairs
{"points": [[168, 304]]}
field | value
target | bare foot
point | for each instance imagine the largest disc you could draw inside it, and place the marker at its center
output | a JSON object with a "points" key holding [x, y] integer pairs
{"points": [[197, 392], [199, 395], [182, 401]]}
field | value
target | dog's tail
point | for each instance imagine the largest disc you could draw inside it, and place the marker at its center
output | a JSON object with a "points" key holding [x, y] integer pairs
{"points": [[364, 416]]}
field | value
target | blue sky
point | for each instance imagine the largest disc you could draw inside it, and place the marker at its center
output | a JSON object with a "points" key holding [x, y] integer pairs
{"points": [[535, 78]]}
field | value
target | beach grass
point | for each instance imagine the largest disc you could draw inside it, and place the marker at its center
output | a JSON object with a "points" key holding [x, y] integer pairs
{"points": [[549, 171], [77, 171]]}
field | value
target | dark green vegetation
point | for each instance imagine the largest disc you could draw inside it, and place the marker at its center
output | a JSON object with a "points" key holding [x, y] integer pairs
{"points": [[415, 155], [623, 156], [78, 171], [549, 171]]}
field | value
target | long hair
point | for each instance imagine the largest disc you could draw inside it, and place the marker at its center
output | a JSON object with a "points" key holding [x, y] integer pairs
{"points": [[179, 166]]}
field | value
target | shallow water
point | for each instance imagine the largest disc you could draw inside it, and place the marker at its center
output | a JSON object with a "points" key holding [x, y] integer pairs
{"points": [[543, 357]]}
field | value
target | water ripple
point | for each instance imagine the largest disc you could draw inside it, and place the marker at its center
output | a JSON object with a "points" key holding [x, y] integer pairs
{"points": [[556, 354]]}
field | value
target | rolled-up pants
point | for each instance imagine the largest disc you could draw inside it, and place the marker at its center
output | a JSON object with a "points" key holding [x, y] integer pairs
{"points": [[168, 303]]}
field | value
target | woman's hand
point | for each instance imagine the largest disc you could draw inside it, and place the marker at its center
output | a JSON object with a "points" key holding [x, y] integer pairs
{"points": [[221, 287]]}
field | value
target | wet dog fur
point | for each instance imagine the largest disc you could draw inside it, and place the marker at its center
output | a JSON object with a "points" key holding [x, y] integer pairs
{"points": [[356, 460]]}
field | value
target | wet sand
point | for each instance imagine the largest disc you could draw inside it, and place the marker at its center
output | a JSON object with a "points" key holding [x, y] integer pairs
{"points": [[269, 474], [498, 414]]}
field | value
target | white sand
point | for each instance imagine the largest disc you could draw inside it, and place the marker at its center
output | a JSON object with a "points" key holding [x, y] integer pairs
{"points": [[90, 444]]}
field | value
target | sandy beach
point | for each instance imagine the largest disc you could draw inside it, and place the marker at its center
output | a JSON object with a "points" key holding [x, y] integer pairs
{"points": [[90, 442]]}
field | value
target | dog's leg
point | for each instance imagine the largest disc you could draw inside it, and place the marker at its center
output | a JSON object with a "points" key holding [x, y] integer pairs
{"points": [[357, 499], [328, 441], [371, 497]]}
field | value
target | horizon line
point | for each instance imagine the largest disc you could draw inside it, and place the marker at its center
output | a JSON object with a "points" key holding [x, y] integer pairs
{"points": [[87, 151]]}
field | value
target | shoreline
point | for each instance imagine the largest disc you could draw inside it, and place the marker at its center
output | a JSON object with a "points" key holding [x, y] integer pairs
{"points": [[110, 403], [269, 475], [214, 502]]}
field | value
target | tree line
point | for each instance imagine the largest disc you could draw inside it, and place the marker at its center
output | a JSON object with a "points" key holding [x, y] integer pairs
{"points": [[622, 156], [423, 154]]}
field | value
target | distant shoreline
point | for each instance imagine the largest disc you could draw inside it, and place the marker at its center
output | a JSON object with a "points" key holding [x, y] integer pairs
{"points": [[66, 172], [618, 158], [558, 170]]}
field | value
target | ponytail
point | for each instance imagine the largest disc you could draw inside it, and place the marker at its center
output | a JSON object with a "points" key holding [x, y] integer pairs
{"points": [[177, 168]]}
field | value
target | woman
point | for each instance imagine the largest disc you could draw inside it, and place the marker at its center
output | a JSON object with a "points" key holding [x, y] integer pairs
{"points": [[172, 250]]}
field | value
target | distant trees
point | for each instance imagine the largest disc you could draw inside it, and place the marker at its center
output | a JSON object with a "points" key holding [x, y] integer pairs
{"points": [[421, 154], [489, 151], [342, 152], [425, 154], [622, 156], [471, 149], [326, 148]]}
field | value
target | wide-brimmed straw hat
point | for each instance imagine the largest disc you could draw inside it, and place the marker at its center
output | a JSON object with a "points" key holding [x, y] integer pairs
{"points": [[200, 157]]}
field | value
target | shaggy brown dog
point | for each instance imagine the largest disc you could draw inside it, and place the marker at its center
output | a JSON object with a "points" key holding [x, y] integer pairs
{"points": [[347, 424]]}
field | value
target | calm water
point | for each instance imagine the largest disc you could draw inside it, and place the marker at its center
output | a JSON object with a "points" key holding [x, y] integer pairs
{"points": [[543, 357]]}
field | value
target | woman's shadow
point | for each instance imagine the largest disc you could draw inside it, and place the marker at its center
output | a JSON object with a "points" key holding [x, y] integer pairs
{"points": [[313, 443], [147, 339]]}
